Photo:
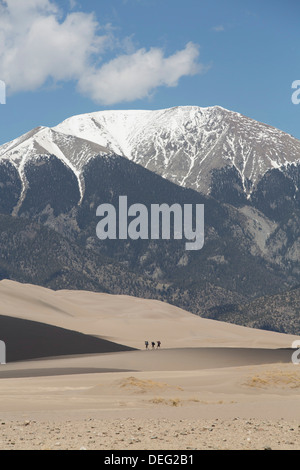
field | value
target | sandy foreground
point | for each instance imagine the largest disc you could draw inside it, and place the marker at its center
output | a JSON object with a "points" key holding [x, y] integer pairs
{"points": [[211, 386], [233, 408]]}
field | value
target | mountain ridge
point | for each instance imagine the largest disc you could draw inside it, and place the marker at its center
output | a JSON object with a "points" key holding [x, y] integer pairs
{"points": [[185, 143], [188, 145]]}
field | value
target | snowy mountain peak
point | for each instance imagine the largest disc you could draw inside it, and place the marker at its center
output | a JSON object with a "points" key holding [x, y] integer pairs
{"points": [[73, 151], [185, 144]]}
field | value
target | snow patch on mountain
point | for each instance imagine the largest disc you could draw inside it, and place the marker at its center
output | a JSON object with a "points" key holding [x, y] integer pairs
{"points": [[184, 144], [73, 151]]}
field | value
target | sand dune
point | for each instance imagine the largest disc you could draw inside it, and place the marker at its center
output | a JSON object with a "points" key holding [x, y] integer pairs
{"points": [[128, 320], [183, 359], [83, 387], [27, 339]]}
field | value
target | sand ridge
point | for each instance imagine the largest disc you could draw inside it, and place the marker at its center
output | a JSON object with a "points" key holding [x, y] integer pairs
{"points": [[128, 320]]}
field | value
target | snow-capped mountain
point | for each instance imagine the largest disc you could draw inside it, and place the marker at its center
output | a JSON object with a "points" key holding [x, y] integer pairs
{"points": [[53, 179], [186, 144], [73, 151], [211, 150]]}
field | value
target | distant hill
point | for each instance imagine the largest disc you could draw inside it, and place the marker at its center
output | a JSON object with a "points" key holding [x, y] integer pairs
{"points": [[280, 312]]}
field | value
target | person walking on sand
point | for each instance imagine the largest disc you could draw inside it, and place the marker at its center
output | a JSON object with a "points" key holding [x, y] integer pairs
{"points": [[158, 344], [153, 345], [146, 344]]}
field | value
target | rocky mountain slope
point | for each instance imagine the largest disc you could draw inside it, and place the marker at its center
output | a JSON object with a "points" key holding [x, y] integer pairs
{"points": [[231, 267], [279, 312]]}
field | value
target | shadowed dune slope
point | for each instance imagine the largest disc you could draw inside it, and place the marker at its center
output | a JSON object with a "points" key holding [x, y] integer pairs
{"points": [[181, 359], [26, 339]]}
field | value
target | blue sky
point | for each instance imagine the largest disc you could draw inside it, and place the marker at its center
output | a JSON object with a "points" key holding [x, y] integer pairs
{"points": [[70, 57]]}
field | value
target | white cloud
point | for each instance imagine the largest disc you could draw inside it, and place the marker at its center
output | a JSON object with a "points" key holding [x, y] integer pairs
{"points": [[135, 76], [35, 45], [38, 43], [218, 29]]}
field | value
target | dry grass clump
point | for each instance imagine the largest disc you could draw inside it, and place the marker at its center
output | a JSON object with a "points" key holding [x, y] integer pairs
{"points": [[179, 402], [143, 386], [205, 402], [275, 379], [166, 401]]}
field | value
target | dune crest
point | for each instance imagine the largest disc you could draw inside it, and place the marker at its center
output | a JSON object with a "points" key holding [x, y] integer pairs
{"points": [[128, 320]]}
